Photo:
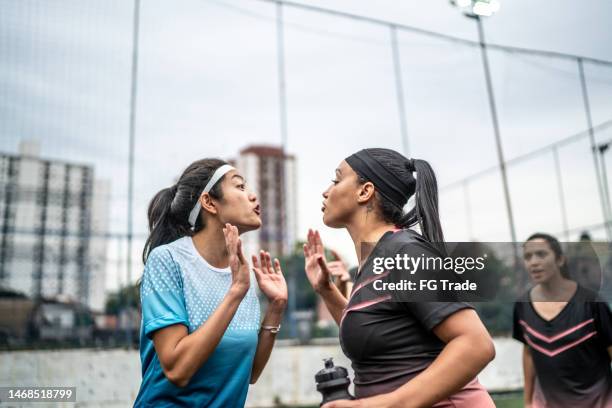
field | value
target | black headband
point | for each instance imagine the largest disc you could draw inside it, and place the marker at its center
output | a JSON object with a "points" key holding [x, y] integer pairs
{"points": [[387, 183]]}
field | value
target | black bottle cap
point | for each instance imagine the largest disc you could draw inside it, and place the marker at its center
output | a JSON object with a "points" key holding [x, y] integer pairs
{"points": [[330, 372]]}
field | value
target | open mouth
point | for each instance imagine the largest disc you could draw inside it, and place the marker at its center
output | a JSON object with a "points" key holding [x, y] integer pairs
{"points": [[257, 210], [323, 207]]}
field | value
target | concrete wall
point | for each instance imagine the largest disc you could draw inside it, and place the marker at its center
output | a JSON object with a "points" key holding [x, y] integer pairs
{"points": [[110, 378]]}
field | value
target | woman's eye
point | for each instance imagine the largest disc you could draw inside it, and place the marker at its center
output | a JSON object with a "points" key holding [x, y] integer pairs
{"points": [[335, 181], [242, 186]]}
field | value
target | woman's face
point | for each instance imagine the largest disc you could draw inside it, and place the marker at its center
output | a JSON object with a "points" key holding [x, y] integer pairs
{"points": [[340, 200], [540, 260], [239, 206]]}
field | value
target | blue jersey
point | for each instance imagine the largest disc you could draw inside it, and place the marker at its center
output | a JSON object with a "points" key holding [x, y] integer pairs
{"points": [[180, 287]]}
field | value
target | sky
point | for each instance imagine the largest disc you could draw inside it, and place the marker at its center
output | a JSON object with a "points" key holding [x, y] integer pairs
{"points": [[207, 87]]}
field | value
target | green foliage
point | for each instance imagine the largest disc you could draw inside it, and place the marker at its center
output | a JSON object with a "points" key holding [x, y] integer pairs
{"points": [[496, 314], [329, 331], [126, 296], [293, 269]]}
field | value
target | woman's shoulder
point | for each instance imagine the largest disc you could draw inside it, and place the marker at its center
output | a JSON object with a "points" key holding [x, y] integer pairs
{"points": [[522, 302], [160, 253], [411, 241], [525, 296], [170, 252], [161, 270], [584, 294]]}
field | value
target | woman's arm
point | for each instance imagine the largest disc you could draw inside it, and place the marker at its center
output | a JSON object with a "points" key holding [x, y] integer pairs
{"points": [[468, 350], [529, 375], [272, 283], [345, 287], [340, 274], [333, 298], [181, 354], [273, 317]]}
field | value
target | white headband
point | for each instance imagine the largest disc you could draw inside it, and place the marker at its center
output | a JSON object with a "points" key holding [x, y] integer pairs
{"points": [[220, 172]]}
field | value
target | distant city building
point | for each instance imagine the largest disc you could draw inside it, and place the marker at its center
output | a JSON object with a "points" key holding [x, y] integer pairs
{"points": [[52, 218], [271, 173]]}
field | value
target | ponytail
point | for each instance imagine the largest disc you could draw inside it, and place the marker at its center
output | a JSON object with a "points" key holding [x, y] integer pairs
{"points": [[425, 212], [168, 212]]}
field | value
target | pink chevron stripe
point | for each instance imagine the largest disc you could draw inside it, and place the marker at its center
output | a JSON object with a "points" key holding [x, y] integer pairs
{"points": [[552, 353], [556, 337], [363, 305], [367, 282]]}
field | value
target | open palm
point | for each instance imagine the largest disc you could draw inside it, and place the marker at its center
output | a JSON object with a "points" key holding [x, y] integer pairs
{"points": [[238, 264], [270, 277], [316, 268]]}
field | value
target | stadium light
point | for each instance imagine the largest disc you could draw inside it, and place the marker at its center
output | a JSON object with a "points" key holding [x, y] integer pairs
{"points": [[484, 8], [476, 9]]}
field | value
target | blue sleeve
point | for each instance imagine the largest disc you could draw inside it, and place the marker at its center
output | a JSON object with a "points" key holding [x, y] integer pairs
{"points": [[161, 293]]}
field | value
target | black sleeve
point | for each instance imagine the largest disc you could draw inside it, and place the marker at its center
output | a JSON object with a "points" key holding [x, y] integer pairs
{"points": [[431, 314], [603, 322], [517, 329], [428, 270], [427, 307]]}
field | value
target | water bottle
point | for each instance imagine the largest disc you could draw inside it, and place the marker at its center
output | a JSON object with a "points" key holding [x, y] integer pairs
{"points": [[333, 382]]}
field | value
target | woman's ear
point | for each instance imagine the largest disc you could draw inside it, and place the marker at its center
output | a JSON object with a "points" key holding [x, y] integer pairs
{"points": [[366, 192], [208, 204]]}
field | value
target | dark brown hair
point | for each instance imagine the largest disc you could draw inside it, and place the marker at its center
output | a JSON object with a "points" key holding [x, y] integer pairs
{"points": [[169, 209], [425, 212]]}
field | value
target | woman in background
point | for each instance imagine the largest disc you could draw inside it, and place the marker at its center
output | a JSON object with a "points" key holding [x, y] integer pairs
{"points": [[566, 331]]}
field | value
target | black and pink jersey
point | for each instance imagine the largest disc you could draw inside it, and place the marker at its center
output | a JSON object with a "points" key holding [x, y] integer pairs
{"points": [[569, 352], [388, 338]]}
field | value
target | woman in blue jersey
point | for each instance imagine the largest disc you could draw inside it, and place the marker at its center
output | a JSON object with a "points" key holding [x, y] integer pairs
{"points": [[201, 341]]}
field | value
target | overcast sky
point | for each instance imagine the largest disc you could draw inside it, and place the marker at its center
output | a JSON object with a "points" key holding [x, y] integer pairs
{"points": [[208, 87]]}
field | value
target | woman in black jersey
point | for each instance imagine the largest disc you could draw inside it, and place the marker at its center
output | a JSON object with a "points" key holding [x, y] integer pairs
{"points": [[566, 331], [404, 354]]}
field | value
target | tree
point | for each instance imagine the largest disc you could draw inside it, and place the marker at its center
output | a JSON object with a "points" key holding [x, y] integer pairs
{"points": [[127, 296]]}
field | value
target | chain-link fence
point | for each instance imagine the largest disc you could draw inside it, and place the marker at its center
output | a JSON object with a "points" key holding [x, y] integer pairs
{"points": [[103, 103]]}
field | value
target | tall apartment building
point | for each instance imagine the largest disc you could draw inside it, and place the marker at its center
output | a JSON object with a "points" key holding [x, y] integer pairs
{"points": [[271, 173], [52, 216]]}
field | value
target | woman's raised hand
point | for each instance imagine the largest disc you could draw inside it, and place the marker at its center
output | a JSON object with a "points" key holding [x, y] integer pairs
{"points": [[270, 278], [238, 263], [316, 268], [338, 268]]}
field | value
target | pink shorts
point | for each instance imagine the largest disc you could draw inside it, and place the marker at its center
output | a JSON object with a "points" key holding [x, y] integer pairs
{"points": [[473, 395]]}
